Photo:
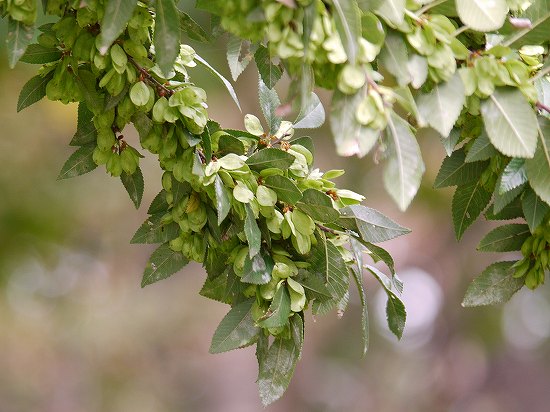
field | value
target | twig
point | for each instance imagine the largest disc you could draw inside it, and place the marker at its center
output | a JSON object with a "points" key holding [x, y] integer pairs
{"points": [[147, 76], [542, 106], [327, 229], [280, 139]]}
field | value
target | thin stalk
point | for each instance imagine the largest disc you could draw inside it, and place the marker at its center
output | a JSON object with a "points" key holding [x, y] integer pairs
{"points": [[427, 7]]}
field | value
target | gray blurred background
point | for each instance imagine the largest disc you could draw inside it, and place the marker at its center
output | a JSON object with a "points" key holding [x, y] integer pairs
{"points": [[78, 334]]}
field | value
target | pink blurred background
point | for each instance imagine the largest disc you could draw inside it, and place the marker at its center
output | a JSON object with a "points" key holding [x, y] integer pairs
{"points": [[78, 334]]}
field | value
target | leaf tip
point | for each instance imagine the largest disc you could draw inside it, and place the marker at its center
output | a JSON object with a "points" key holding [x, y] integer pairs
{"points": [[104, 46]]}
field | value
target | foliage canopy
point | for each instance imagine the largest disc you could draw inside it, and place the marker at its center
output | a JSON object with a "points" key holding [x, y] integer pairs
{"points": [[275, 235]]}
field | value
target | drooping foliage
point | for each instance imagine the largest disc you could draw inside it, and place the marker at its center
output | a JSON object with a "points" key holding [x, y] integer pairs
{"points": [[275, 235]]}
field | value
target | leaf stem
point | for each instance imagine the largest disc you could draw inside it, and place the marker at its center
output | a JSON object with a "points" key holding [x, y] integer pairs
{"points": [[414, 16], [427, 7], [460, 30], [327, 229], [145, 73]]}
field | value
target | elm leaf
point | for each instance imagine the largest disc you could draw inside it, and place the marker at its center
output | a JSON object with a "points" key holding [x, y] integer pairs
{"points": [[496, 284]]}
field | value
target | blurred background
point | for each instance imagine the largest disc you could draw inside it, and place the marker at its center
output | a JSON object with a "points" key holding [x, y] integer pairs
{"points": [[78, 334]]}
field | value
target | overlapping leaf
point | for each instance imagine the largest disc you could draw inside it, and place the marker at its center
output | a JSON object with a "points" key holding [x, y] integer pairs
{"points": [[455, 171], [404, 168], [538, 168], [164, 262], [441, 107], [505, 238], [510, 123], [236, 330], [496, 284], [469, 201]]}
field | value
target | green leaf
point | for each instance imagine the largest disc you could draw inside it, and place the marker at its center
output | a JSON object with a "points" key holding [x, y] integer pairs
{"points": [[237, 63], [308, 23], [225, 288], [448, 8], [318, 206], [143, 124], [449, 143], [372, 225], [85, 129], [496, 284], [270, 158], [534, 209], [441, 107], [269, 72], [510, 122], [33, 91], [358, 277], [418, 69], [286, 190], [315, 288], [395, 309], [469, 201], [191, 29], [179, 190], [163, 263], [481, 149], [501, 200], [19, 38], [454, 171], [252, 232], [86, 82], [538, 168], [327, 264], [396, 315], [278, 363], [513, 175], [159, 203], [37, 54], [113, 101], [347, 18], [223, 199], [351, 137], [312, 114], [305, 141], [269, 102], [166, 35], [117, 14], [507, 238], [537, 32], [79, 163], [230, 144], [393, 57], [392, 10], [508, 212], [482, 15], [153, 230], [236, 330], [376, 253], [134, 186], [222, 79], [279, 310], [258, 269], [404, 168]]}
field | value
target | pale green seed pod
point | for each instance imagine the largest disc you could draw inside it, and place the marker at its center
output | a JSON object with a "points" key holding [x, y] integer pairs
{"points": [[268, 290], [297, 295], [238, 264]]}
